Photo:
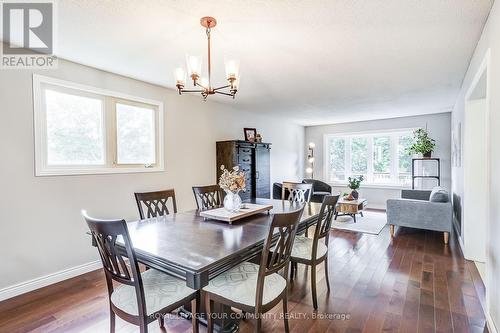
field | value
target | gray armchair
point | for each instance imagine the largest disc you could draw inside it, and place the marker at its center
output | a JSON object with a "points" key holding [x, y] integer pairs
{"points": [[429, 210]]}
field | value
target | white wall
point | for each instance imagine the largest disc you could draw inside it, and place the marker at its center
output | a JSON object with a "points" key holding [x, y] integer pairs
{"points": [[438, 126], [42, 231], [489, 40]]}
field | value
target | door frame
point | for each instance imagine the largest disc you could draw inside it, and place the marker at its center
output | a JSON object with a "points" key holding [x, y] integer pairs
{"points": [[484, 68]]}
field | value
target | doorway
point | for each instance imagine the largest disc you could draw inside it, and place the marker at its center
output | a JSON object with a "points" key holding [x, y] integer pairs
{"points": [[476, 161]]}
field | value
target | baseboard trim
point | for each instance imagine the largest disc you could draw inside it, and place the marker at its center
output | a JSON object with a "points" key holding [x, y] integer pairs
{"points": [[43, 281], [491, 325]]}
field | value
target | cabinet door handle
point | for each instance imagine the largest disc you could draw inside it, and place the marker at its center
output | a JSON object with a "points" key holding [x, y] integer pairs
{"points": [[256, 175]]}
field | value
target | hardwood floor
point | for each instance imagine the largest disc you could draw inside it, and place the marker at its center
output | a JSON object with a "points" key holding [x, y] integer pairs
{"points": [[414, 284]]}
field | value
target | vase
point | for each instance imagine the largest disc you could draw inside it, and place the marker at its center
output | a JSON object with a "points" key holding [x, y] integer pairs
{"points": [[355, 194], [428, 154], [232, 201]]}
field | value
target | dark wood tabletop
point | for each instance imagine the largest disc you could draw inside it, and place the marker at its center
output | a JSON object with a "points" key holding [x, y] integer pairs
{"points": [[192, 248]]}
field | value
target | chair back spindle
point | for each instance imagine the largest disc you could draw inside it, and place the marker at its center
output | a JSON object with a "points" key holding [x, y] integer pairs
{"points": [[154, 204], [208, 197], [297, 192]]}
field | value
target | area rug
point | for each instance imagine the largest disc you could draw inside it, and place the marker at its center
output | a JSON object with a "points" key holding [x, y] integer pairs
{"points": [[372, 223]]}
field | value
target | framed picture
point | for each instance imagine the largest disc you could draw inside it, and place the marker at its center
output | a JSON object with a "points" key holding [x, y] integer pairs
{"points": [[250, 134]]}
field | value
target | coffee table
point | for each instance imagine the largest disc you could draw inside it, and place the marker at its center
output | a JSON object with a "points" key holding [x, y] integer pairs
{"points": [[350, 207]]}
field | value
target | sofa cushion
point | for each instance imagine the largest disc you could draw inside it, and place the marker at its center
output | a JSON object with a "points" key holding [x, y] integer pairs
{"points": [[439, 194]]}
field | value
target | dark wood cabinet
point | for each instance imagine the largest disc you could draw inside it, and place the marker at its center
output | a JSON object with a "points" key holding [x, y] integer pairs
{"points": [[253, 159]]}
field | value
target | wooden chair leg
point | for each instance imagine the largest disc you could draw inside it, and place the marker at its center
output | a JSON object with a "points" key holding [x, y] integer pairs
{"points": [[326, 274], [195, 310], [161, 321], [258, 323], [143, 327], [391, 229], [313, 287], [285, 312], [112, 321], [291, 271], [209, 304], [446, 237]]}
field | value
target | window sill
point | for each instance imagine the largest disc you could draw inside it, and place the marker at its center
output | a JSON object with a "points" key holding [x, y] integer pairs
{"points": [[375, 186], [94, 171]]}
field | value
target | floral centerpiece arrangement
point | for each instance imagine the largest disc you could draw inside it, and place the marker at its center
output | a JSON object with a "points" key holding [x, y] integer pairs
{"points": [[354, 183], [422, 143], [232, 182]]}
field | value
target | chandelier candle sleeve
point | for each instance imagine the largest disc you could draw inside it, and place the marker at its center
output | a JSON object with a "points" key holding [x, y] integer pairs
{"points": [[204, 85]]}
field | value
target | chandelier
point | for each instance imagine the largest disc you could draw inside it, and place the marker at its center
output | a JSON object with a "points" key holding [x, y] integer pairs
{"points": [[204, 85]]}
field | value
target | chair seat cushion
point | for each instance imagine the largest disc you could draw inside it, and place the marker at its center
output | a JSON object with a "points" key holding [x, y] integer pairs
{"points": [[302, 248], [239, 284], [160, 290]]}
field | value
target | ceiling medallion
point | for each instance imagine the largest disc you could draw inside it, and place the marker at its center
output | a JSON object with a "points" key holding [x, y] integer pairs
{"points": [[204, 85]]}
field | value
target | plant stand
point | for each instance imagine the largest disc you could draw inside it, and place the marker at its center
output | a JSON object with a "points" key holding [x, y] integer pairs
{"points": [[425, 159]]}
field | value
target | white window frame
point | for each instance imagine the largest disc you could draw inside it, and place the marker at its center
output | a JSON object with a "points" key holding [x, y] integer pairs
{"points": [[109, 130], [347, 136]]}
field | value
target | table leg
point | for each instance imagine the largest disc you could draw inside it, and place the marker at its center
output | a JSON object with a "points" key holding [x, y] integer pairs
{"points": [[354, 217], [222, 324]]}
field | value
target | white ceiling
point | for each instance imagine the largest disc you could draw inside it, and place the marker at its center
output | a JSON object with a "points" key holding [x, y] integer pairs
{"points": [[313, 61]]}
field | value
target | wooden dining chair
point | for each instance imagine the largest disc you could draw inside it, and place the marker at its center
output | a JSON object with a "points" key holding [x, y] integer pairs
{"points": [[155, 203], [313, 251], [258, 288], [208, 197], [139, 298], [297, 192]]}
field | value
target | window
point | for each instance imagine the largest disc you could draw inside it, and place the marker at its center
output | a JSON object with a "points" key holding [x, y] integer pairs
{"points": [[85, 130], [380, 157], [135, 134]]}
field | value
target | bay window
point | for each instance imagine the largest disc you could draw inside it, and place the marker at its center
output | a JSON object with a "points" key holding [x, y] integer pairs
{"points": [[380, 157]]}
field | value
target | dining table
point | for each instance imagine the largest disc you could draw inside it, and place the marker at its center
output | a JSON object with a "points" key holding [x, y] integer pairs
{"points": [[196, 249]]}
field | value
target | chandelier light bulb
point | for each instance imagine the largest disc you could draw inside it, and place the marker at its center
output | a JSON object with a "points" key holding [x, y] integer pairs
{"points": [[194, 65], [311, 159], [180, 76], [232, 69], [312, 145], [309, 170]]}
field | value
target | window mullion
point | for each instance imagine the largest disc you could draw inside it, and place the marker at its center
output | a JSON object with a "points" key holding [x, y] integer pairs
{"points": [[110, 116], [348, 165], [394, 158], [369, 171]]}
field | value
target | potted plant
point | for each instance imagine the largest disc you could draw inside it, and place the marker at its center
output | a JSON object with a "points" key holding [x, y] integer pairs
{"points": [[232, 182], [354, 183], [422, 143]]}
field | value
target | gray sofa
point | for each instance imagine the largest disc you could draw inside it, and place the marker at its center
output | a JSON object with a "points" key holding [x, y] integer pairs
{"points": [[429, 210]]}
